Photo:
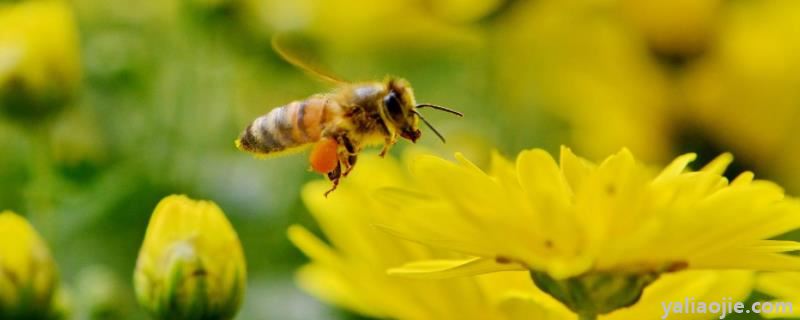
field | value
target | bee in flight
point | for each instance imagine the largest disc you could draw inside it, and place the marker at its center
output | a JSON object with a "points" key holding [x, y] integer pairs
{"points": [[339, 124]]}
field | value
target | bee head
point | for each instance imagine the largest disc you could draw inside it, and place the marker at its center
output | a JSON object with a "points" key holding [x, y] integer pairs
{"points": [[398, 108], [399, 111]]}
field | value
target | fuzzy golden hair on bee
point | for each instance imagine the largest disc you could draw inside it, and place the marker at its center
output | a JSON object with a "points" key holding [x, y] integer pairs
{"points": [[403, 88]]}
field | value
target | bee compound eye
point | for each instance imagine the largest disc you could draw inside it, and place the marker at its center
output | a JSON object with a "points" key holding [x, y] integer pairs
{"points": [[393, 106]]}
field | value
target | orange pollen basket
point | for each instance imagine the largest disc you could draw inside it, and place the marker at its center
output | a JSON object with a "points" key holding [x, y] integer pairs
{"points": [[324, 156]]}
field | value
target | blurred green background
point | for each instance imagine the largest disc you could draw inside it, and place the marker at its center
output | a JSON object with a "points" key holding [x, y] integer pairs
{"points": [[108, 106]]}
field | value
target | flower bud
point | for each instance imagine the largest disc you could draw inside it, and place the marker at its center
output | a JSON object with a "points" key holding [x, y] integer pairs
{"points": [[191, 264], [28, 277], [39, 58]]}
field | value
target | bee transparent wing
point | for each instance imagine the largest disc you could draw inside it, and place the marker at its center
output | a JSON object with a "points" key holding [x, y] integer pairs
{"points": [[280, 43]]}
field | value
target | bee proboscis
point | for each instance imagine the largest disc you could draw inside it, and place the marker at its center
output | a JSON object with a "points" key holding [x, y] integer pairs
{"points": [[339, 124]]}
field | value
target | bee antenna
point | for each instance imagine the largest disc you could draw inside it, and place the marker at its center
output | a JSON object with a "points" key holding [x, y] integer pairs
{"points": [[430, 126], [440, 108]]}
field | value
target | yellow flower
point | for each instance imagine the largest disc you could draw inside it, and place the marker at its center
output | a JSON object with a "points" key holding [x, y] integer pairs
{"points": [[191, 264], [351, 270], [28, 275], [578, 225], [39, 57], [784, 287]]}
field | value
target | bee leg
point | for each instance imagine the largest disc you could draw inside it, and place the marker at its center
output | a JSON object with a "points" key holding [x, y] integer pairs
{"points": [[351, 163], [348, 145], [349, 159], [345, 163], [387, 144], [334, 176]]}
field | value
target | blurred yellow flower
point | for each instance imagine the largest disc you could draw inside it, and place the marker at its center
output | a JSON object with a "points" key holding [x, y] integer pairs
{"points": [[662, 76], [742, 94], [191, 265], [464, 11], [674, 27], [581, 62], [374, 26], [784, 287], [579, 224], [28, 275], [351, 270], [39, 57]]}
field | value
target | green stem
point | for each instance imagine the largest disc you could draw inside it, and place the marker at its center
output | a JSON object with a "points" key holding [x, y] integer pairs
{"points": [[40, 189]]}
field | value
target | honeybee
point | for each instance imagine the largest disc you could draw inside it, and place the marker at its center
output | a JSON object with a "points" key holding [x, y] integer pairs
{"points": [[339, 124]]}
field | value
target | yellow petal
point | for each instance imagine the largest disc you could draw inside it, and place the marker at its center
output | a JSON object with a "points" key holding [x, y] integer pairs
{"points": [[519, 306], [778, 245], [575, 169], [501, 167], [466, 163], [781, 309], [539, 173], [328, 285], [780, 284], [755, 261], [447, 179], [398, 197], [455, 244], [743, 178], [443, 269], [719, 164], [784, 287], [707, 286], [676, 167], [549, 197], [311, 246]]}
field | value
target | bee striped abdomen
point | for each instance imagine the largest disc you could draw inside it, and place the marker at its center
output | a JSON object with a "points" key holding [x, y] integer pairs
{"points": [[285, 127]]}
